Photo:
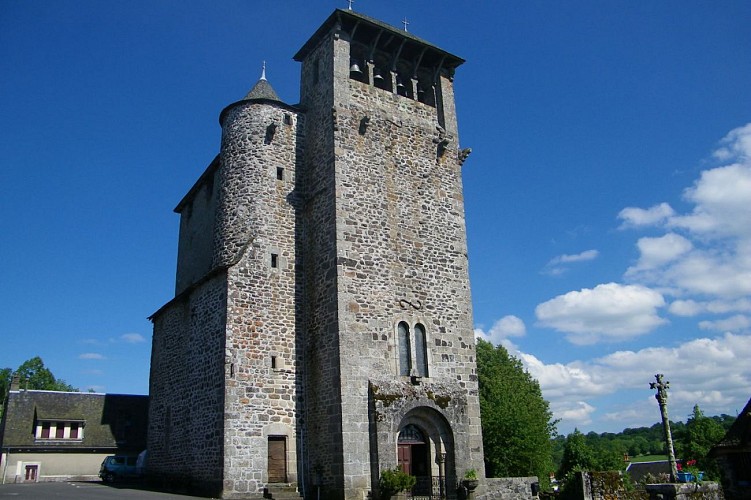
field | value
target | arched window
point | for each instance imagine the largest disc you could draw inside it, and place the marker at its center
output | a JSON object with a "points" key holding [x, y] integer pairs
{"points": [[405, 357], [421, 351], [413, 350]]}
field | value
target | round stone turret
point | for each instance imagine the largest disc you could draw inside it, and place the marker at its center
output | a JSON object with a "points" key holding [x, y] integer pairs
{"points": [[258, 140]]}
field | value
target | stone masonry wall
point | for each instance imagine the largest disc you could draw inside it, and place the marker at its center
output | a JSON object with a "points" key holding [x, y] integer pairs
{"points": [[186, 389], [319, 321], [257, 238], [195, 248], [401, 256]]}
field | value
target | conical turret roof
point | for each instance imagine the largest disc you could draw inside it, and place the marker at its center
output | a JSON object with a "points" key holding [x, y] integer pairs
{"points": [[262, 89]]}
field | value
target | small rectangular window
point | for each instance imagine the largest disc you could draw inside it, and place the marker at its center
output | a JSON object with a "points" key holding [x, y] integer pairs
{"points": [[45, 430], [274, 260], [287, 119], [74, 430], [273, 361], [280, 173], [60, 431]]}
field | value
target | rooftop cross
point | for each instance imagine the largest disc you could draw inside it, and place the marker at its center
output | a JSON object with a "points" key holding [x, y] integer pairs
{"points": [[350, 2], [405, 23]]}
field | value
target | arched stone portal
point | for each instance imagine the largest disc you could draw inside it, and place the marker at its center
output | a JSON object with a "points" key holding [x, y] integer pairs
{"points": [[425, 449]]}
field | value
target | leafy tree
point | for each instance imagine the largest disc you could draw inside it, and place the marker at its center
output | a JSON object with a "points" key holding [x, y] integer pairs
{"points": [[517, 423], [701, 433], [5, 376], [577, 455], [34, 375]]}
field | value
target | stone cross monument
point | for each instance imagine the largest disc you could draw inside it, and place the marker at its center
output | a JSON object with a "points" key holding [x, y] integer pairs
{"points": [[662, 399]]}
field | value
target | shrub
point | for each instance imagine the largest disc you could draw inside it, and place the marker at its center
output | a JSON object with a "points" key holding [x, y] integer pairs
{"points": [[395, 480]]}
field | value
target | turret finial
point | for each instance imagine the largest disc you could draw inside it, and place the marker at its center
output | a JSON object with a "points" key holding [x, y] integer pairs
{"points": [[350, 2], [263, 71]]}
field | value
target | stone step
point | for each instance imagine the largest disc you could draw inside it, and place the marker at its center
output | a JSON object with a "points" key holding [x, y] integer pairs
{"points": [[281, 491]]}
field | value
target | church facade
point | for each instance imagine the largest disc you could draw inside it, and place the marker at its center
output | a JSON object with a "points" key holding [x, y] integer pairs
{"points": [[321, 330]]}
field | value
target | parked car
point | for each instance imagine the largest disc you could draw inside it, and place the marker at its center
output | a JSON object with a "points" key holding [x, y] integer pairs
{"points": [[119, 467]]}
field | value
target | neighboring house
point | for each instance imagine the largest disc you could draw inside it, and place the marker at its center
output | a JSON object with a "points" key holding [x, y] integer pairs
{"points": [[650, 470], [59, 436], [733, 454]]}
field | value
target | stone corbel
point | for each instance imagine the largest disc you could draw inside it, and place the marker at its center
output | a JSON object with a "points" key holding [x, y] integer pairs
{"points": [[463, 154]]}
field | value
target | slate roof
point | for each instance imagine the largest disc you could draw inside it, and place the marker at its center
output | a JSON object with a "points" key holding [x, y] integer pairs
{"points": [[365, 28], [738, 437], [638, 470], [111, 421], [262, 90]]}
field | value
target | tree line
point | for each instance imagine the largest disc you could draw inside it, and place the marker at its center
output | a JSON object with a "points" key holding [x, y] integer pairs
{"points": [[520, 436]]}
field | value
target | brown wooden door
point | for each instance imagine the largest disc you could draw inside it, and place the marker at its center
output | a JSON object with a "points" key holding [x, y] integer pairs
{"points": [[405, 458], [277, 459]]}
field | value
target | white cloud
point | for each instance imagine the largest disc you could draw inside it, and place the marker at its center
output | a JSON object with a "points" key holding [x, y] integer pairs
{"points": [[508, 326], [577, 413], [735, 145], [690, 307], [91, 355], [579, 257], [711, 372], [709, 263], [639, 217], [735, 323], [607, 312], [133, 338], [722, 198], [554, 266], [659, 251]]}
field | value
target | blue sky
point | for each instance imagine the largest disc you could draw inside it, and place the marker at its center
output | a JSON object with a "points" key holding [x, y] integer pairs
{"points": [[608, 195]]}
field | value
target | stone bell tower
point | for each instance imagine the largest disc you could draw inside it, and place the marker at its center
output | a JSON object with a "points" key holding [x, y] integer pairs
{"points": [[389, 361], [321, 330]]}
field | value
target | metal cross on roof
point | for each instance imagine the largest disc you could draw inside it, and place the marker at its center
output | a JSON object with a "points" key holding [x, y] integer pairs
{"points": [[405, 23], [350, 2]]}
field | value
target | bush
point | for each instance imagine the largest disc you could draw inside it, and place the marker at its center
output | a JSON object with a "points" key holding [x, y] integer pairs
{"points": [[395, 480]]}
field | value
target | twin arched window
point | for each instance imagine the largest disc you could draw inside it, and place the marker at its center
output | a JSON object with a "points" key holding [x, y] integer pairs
{"points": [[413, 350]]}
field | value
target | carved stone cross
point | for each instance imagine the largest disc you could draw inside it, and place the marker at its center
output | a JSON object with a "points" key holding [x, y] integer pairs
{"points": [[662, 399]]}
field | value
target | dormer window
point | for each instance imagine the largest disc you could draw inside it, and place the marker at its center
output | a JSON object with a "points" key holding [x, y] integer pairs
{"points": [[59, 430]]}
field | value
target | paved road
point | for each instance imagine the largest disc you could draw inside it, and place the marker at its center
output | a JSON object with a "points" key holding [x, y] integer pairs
{"points": [[81, 491]]}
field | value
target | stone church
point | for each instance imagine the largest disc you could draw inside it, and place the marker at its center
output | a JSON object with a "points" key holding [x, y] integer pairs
{"points": [[321, 330]]}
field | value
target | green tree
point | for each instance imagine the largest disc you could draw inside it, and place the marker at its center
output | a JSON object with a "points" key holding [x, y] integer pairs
{"points": [[577, 455], [5, 376], [517, 424], [34, 375], [700, 434]]}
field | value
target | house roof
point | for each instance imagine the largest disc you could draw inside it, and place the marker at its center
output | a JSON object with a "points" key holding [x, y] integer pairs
{"points": [[638, 470], [738, 437], [363, 28], [114, 421]]}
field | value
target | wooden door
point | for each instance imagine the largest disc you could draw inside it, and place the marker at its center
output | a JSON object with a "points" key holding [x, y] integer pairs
{"points": [[277, 459], [405, 458]]}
